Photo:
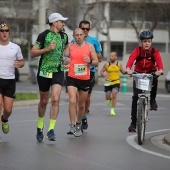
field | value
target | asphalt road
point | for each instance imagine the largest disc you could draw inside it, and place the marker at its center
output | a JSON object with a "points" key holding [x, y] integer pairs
{"points": [[105, 145]]}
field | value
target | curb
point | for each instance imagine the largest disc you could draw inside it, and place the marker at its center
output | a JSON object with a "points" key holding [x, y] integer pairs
{"points": [[167, 138], [25, 103]]}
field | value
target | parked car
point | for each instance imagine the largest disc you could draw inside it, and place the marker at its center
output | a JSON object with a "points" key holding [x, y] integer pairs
{"points": [[167, 82], [17, 74]]}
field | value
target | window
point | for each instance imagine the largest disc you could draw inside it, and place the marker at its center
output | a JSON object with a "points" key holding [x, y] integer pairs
{"points": [[130, 46], [117, 47], [137, 16], [160, 46]]}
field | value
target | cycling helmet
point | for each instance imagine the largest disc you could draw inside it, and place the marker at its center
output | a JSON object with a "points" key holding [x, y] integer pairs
{"points": [[146, 35]]}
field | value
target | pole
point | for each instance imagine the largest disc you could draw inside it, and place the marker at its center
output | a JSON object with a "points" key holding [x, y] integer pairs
{"points": [[42, 22], [124, 83], [42, 15]]}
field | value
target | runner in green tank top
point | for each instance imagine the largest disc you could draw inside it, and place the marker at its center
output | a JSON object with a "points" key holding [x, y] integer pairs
{"points": [[50, 44]]}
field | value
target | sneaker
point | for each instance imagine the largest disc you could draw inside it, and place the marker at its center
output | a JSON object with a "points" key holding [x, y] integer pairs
{"points": [[112, 112], [88, 110], [79, 130], [109, 101], [84, 124], [40, 134], [132, 128], [153, 105], [72, 130], [51, 135], [5, 127]]}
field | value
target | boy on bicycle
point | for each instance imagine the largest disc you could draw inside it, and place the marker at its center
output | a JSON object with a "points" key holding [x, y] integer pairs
{"points": [[148, 60]]}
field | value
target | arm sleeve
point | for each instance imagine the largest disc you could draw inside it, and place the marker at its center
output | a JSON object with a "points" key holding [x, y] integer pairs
{"points": [[132, 58], [158, 59], [40, 40]]}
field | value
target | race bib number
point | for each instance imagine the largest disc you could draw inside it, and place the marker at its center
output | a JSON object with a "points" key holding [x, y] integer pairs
{"points": [[80, 69], [143, 84], [46, 74]]}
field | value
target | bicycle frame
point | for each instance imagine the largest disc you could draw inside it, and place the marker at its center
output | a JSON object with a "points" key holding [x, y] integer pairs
{"points": [[142, 117], [142, 105]]}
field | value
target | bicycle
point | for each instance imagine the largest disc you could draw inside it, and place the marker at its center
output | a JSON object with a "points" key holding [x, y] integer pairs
{"points": [[143, 82]]}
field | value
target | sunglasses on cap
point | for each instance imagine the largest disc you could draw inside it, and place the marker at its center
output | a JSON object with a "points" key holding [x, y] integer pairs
{"points": [[3, 25], [4, 30], [85, 29]]}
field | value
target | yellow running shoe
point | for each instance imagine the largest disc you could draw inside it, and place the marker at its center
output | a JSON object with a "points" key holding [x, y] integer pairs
{"points": [[112, 112], [5, 127], [109, 101]]}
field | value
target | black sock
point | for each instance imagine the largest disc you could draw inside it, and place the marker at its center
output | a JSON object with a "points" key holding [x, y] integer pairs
{"points": [[3, 120]]}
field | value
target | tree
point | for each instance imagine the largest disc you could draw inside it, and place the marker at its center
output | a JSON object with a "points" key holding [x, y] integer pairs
{"points": [[20, 19], [165, 13], [139, 14], [101, 21], [73, 9], [149, 11]]}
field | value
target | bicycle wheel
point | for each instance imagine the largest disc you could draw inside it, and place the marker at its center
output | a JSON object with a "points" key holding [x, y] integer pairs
{"points": [[141, 121]]}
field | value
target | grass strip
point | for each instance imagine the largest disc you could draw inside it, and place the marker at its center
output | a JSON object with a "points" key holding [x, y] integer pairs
{"points": [[26, 96]]}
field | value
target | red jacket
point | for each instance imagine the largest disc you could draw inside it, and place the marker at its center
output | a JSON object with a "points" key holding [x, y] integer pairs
{"points": [[145, 65]]}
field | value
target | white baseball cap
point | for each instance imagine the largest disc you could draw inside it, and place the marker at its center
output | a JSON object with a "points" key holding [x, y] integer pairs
{"points": [[56, 17]]}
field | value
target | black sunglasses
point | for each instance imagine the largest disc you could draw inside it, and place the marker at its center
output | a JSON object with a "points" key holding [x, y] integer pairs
{"points": [[87, 29], [4, 30]]}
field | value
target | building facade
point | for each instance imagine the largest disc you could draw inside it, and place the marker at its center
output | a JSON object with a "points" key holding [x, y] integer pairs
{"points": [[117, 24]]}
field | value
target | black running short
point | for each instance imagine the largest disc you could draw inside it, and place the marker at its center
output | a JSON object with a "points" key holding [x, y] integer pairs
{"points": [[7, 87], [45, 83], [112, 88], [80, 84]]}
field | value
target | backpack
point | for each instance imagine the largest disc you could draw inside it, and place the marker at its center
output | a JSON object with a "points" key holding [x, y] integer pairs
{"points": [[139, 57]]}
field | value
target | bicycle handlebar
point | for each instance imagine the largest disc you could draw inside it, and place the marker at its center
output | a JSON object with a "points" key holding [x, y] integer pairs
{"points": [[152, 73]]}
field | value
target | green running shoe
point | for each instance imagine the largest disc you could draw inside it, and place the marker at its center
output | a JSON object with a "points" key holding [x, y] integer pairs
{"points": [[5, 127], [112, 112], [109, 101]]}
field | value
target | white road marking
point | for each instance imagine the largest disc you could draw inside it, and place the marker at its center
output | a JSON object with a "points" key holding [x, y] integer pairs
{"points": [[130, 93], [104, 103], [131, 141]]}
